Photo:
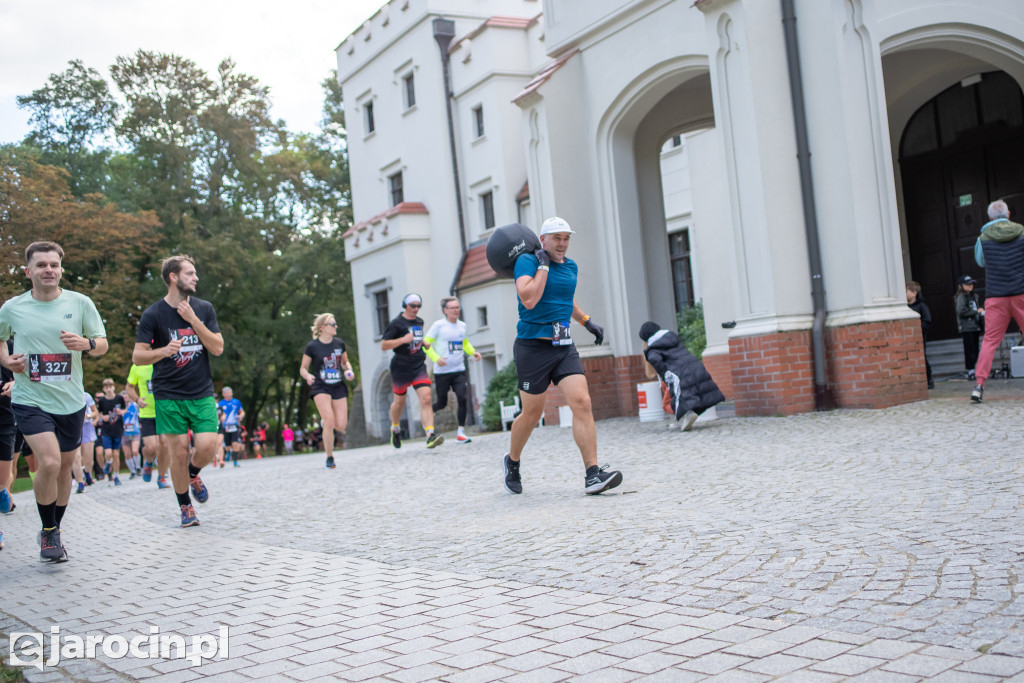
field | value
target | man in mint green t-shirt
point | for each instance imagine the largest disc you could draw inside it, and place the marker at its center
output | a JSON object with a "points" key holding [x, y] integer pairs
{"points": [[51, 327]]}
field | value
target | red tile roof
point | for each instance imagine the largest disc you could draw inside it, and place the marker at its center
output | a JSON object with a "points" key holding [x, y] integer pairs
{"points": [[404, 207], [542, 78], [475, 269]]}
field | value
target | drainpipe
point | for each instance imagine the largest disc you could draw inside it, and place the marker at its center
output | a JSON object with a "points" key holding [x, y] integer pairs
{"points": [[822, 399], [444, 32]]}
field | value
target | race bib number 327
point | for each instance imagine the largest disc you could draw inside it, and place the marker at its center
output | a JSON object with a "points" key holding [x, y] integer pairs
{"points": [[49, 367]]}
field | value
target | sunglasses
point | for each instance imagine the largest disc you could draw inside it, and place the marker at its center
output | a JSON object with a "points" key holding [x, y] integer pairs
{"points": [[331, 324], [413, 305]]}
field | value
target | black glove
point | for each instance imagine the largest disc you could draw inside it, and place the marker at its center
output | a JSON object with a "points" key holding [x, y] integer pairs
{"points": [[542, 257], [596, 330]]}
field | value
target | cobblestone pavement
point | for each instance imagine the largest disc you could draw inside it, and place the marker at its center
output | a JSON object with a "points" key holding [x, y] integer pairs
{"points": [[870, 545]]}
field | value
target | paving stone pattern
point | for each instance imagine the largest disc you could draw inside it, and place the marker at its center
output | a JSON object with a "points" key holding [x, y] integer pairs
{"points": [[865, 545]]}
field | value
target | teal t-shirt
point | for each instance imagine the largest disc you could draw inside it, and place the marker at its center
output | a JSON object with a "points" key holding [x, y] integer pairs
{"points": [[555, 303], [52, 380]]}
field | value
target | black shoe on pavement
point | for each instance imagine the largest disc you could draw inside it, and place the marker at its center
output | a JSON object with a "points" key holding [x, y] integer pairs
{"points": [[599, 480], [396, 439], [511, 469], [977, 393]]}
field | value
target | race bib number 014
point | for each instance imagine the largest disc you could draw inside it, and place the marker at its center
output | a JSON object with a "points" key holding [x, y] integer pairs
{"points": [[49, 367]]}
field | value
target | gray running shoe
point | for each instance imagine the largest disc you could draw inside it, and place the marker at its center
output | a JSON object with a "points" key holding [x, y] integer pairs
{"points": [[977, 393], [511, 469]]}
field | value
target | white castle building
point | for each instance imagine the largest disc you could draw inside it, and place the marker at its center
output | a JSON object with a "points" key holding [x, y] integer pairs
{"points": [[791, 163]]}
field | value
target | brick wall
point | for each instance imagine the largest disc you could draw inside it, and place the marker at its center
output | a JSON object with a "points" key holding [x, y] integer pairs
{"points": [[772, 373], [876, 365], [720, 368]]}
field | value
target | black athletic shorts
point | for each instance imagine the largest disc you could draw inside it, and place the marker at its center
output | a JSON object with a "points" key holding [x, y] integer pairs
{"points": [[401, 380], [539, 363], [232, 437], [335, 391], [148, 426], [67, 428], [8, 435]]}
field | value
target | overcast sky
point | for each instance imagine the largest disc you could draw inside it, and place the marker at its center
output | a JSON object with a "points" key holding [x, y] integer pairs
{"points": [[287, 46]]}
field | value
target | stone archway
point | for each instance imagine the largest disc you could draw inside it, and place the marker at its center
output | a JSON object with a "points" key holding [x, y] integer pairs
{"points": [[670, 99], [952, 153]]}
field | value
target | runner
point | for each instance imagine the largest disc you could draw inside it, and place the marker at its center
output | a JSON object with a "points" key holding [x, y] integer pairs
{"points": [[132, 436], [544, 353], [8, 435], [140, 390], [176, 335], [52, 327], [231, 415], [112, 408], [404, 336], [325, 368], [87, 452], [99, 465], [449, 335]]}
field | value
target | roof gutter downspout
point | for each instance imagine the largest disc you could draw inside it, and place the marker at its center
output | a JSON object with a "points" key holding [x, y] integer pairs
{"points": [[822, 399]]}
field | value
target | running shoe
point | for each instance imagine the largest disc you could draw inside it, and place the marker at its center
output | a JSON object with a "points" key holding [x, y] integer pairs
{"points": [[199, 490], [50, 547], [188, 517], [88, 478], [6, 504], [977, 394], [511, 469], [106, 469], [161, 483], [81, 487], [462, 438], [396, 439], [131, 475], [147, 472], [330, 462], [599, 480], [434, 440], [117, 481], [236, 463], [686, 424]]}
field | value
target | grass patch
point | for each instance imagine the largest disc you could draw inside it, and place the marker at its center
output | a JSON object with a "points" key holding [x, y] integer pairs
{"points": [[985, 648], [19, 485], [9, 675]]}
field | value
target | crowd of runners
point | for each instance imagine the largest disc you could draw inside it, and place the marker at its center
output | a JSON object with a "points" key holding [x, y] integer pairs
{"points": [[165, 418]]}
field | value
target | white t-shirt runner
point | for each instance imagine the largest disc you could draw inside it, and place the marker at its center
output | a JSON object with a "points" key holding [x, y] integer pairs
{"points": [[448, 340]]}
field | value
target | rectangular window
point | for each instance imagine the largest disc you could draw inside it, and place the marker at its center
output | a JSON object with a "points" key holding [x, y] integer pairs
{"points": [[380, 311], [487, 207], [368, 117], [478, 121], [682, 274], [481, 317], [395, 187], [409, 86]]}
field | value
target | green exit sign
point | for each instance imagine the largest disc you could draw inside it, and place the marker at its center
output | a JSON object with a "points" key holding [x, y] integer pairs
{"points": [[966, 199]]}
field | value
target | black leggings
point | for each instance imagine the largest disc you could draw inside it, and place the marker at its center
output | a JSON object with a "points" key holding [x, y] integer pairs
{"points": [[970, 348], [457, 382]]}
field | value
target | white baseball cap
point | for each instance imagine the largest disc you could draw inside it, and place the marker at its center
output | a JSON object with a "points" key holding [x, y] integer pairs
{"points": [[555, 224]]}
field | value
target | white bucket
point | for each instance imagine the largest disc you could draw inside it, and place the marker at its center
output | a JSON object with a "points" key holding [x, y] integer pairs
{"points": [[648, 395], [564, 416]]}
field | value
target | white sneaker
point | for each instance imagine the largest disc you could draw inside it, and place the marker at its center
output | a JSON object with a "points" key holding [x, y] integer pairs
{"points": [[686, 424], [672, 424]]}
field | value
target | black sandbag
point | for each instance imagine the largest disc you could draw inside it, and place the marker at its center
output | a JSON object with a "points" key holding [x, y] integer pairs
{"points": [[508, 243]]}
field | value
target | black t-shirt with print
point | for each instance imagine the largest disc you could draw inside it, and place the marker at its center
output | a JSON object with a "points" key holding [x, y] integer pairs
{"points": [[185, 376], [409, 356], [113, 426], [326, 365]]}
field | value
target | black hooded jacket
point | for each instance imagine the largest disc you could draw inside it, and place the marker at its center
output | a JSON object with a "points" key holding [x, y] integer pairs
{"points": [[689, 382]]}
